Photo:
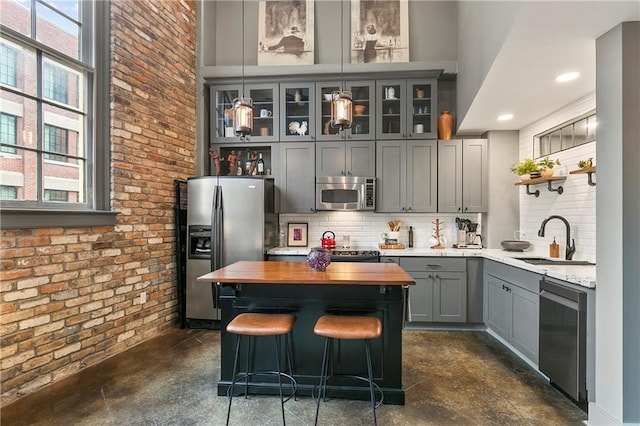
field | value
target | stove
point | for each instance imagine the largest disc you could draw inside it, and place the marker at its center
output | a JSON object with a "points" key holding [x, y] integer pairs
{"points": [[371, 256]]}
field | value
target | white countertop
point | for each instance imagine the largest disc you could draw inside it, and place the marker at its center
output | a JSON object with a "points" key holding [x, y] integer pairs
{"points": [[583, 275]]}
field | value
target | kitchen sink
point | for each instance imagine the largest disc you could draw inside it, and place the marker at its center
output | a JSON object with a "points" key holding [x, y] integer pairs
{"points": [[545, 261]]}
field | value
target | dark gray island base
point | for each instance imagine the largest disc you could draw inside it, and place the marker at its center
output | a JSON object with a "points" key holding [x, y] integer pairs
{"points": [[308, 303], [342, 290]]}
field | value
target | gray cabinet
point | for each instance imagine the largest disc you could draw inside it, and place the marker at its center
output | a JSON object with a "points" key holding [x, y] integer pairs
{"points": [[295, 183], [352, 158], [265, 112], [364, 110], [512, 303], [463, 174], [406, 109], [406, 173], [440, 292], [297, 112]]}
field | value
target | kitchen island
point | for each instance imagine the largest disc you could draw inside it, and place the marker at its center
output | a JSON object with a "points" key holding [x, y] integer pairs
{"points": [[345, 288]]}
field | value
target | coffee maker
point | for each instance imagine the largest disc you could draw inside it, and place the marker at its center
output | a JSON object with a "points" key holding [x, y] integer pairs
{"points": [[468, 234]]}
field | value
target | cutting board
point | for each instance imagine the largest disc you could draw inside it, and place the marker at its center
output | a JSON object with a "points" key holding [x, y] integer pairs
{"points": [[391, 246]]}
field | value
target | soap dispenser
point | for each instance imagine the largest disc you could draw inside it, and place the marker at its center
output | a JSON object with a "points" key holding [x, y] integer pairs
{"points": [[554, 249]]}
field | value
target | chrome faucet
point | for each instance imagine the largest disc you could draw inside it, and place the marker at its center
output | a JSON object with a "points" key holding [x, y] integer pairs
{"points": [[571, 243]]}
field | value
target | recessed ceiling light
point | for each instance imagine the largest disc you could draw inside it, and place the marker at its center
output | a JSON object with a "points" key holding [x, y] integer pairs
{"points": [[505, 117], [562, 78]]}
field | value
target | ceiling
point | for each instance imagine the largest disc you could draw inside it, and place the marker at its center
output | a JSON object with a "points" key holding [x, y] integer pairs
{"points": [[548, 38]]}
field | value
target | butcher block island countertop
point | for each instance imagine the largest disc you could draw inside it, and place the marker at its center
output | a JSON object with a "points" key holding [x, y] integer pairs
{"points": [[345, 288], [341, 273]]}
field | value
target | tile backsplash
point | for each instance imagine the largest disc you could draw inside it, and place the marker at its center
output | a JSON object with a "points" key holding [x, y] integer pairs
{"points": [[366, 228], [577, 203]]}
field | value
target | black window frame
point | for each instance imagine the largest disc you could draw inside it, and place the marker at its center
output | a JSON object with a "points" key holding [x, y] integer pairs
{"points": [[4, 148]]}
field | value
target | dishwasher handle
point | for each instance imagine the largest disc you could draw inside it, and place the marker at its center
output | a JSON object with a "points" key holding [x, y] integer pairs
{"points": [[544, 294]]}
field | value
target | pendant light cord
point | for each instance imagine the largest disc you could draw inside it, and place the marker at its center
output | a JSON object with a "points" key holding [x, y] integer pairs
{"points": [[342, 44], [242, 50]]}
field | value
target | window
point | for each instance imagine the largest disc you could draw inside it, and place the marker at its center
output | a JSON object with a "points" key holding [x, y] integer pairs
{"points": [[8, 59], [58, 53], [55, 195], [8, 133], [567, 135], [8, 192], [55, 140], [54, 83]]}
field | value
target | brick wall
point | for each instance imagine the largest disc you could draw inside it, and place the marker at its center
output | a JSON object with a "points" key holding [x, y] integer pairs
{"points": [[70, 297]]}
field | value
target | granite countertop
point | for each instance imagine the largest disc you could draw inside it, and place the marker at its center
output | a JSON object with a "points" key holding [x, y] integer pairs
{"points": [[583, 275]]}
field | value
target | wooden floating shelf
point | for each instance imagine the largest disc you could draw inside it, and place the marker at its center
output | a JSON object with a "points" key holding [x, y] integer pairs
{"points": [[542, 180], [589, 171]]}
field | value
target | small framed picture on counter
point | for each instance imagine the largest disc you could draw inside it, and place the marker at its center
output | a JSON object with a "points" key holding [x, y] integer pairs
{"points": [[297, 234]]}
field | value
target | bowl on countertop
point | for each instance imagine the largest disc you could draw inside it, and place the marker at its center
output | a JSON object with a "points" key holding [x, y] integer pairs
{"points": [[515, 245]]}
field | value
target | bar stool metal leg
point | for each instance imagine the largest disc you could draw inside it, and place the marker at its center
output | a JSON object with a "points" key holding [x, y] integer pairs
{"points": [[323, 376], [370, 371], [233, 378], [277, 339]]}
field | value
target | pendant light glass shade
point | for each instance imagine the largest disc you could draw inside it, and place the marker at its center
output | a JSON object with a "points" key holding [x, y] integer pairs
{"points": [[341, 109], [242, 116]]}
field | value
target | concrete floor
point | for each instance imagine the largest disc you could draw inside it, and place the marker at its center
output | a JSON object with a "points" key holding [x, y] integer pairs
{"points": [[450, 378]]}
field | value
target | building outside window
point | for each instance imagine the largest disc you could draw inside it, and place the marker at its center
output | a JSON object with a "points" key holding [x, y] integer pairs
{"points": [[8, 133], [54, 119], [55, 83], [56, 195], [8, 192], [55, 140], [8, 58]]}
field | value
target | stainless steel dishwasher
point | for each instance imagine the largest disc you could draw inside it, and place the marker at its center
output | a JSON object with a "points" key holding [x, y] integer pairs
{"points": [[562, 350]]}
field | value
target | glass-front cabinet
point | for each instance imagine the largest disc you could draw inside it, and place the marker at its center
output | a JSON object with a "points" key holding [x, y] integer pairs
{"points": [[421, 119], [265, 112], [392, 105], [297, 112], [363, 97]]}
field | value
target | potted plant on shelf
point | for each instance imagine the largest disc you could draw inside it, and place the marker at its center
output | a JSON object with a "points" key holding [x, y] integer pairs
{"points": [[524, 168], [546, 166], [584, 164]]}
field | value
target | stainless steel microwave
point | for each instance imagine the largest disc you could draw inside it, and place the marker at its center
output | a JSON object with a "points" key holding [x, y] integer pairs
{"points": [[345, 193]]}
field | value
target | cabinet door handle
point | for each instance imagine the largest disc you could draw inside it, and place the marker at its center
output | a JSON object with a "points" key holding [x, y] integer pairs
{"points": [[434, 267], [437, 276], [410, 135], [459, 209], [408, 208], [466, 208]]}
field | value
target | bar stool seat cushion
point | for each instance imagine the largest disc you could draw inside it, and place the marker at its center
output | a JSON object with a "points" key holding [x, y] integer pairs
{"points": [[255, 324], [348, 327]]}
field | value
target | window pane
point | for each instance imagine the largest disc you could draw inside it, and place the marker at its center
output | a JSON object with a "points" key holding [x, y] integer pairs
{"points": [[580, 132], [24, 113], [67, 7], [61, 84], [56, 195], [16, 14], [545, 145], [567, 136], [63, 133], [57, 31], [556, 141], [64, 177], [591, 128], [19, 170]]}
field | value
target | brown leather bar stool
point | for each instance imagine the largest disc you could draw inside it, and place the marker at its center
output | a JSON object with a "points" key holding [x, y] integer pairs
{"points": [[256, 325], [342, 327]]}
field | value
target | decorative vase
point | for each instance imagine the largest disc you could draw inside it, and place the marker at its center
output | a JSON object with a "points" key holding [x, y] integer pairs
{"points": [[297, 97], [525, 176], [318, 259], [445, 125], [546, 173]]}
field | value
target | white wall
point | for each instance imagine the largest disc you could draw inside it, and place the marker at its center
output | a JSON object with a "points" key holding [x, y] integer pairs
{"points": [[578, 201]]}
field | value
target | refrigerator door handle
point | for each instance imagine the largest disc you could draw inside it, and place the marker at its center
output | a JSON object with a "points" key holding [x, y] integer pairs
{"points": [[216, 229]]}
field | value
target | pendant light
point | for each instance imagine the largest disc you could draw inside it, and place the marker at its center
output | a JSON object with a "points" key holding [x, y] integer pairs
{"points": [[341, 100], [242, 107]]}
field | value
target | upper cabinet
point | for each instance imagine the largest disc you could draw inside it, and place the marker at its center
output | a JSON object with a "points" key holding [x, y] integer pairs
{"points": [[349, 158], [406, 109], [363, 96], [462, 176], [297, 112], [265, 112]]}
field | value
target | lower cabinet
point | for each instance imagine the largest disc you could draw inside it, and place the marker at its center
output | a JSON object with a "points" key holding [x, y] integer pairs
{"points": [[440, 292], [512, 303]]}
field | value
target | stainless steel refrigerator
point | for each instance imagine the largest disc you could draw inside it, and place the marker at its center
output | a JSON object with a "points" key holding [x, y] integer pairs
{"points": [[229, 218]]}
